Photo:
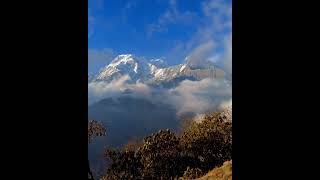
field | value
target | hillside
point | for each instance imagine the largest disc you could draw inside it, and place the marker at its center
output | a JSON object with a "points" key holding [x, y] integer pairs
{"points": [[189, 154], [221, 173]]}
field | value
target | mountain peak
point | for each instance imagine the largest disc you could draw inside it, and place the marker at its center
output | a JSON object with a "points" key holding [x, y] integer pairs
{"points": [[159, 63], [124, 64], [155, 70], [125, 56]]}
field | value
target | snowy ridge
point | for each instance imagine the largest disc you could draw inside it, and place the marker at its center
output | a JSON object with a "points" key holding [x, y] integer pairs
{"points": [[154, 70]]}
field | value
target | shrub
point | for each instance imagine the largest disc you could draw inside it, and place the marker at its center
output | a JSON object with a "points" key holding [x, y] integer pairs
{"points": [[132, 145], [95, 129], [125, 165], [208, 143], [192, 173], [160, 155], [164, 155]]}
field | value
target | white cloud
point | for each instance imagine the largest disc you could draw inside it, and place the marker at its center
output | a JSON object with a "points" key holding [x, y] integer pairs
{"points": [[226, 104], [218, 31], [200, 53], [227, 59], [211, 35], [220, 14], [199, 96], [188, 97], [101, 90], [171, 16]]}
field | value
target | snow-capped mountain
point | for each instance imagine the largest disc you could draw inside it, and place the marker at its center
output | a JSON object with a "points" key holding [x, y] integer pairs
{"points": [[125, 64], [154, 71], [184, 70], [159, 63]]}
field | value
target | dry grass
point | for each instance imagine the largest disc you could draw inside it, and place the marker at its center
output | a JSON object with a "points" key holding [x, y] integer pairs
{"points": [[221, 173]]}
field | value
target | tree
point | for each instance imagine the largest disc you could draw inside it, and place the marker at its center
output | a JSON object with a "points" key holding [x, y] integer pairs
{"points": [[94, 129], [125, 165], [156, 158], [160, 155], [192, 173], [208, 143], [199, 147]]}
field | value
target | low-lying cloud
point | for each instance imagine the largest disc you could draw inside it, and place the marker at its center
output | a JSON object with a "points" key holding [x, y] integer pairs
{"points": [[199, 96], [188, 97], [201, 53], [116, 88]]}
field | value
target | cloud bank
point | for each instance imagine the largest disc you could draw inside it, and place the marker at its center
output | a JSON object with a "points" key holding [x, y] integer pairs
{"points": [[116, 88], [188, 97], [199, 96], [212, 39]]}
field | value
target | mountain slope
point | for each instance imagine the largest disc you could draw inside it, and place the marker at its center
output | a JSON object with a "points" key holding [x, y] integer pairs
{"points": [[126, 64], [126, 118]]}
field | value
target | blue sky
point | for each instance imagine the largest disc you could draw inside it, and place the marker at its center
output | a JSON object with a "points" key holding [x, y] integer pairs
{"points": [[170, 29]]}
